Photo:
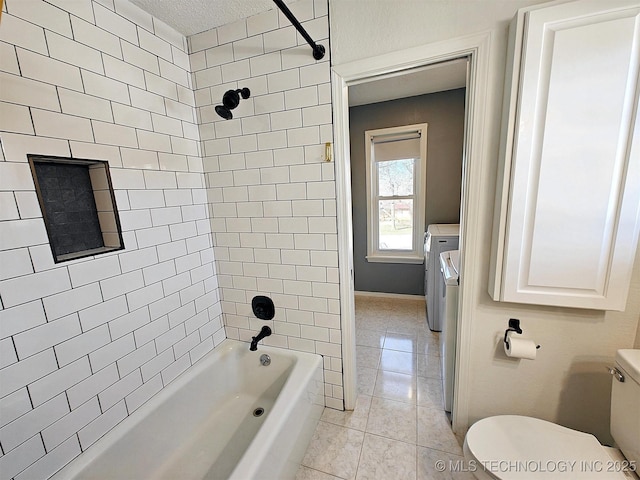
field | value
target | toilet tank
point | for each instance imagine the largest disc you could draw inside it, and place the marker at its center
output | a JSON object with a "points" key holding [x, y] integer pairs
{"points": [[625, 404]]}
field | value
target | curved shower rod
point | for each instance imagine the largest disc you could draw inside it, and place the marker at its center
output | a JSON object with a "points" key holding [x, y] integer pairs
{"points": [[318, 50]]}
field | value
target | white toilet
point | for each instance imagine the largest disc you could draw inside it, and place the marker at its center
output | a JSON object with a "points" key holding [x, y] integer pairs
{"points": [[515, 447]]}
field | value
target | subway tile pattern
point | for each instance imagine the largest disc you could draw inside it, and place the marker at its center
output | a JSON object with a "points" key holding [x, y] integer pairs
{"points": [[84, 343], [272, 199]]}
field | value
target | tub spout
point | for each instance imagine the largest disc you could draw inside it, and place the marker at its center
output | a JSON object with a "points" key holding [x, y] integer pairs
{"points": [[265, 332]]}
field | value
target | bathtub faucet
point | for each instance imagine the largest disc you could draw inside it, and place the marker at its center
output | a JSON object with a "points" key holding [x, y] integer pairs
{"points": [[265, 332]]}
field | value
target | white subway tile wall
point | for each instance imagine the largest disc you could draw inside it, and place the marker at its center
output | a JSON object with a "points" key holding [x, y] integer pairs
{"points": [[85, 343], [271, 194]]}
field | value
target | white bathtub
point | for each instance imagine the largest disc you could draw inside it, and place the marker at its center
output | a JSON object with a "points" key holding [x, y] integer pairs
{"points": [[202, 425]]}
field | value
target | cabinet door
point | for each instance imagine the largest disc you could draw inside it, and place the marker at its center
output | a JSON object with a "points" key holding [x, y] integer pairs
{"points": [[574, 196]]}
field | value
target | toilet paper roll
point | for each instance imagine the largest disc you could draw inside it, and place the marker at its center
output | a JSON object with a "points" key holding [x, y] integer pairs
{"points": [[520, 348]]}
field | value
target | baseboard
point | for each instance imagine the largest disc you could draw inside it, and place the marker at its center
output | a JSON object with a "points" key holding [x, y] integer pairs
{"points": [[389, 295]]}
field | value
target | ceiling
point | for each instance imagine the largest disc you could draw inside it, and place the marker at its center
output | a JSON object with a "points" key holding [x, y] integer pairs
{"points": [[194, 16], [433, 78]]}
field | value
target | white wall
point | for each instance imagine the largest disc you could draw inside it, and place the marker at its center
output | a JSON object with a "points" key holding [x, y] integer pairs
{"points": [[84, 343], [271, 194], [568, 382]]}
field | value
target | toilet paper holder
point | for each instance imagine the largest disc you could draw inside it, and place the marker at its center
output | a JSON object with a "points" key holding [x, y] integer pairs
{"points": [[514, 326]]}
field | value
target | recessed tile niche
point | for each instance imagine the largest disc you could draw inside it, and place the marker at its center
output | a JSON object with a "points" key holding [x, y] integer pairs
{"points": [[78, 206]]}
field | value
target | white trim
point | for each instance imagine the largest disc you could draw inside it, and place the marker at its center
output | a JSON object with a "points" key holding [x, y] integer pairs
{"points": [[476, 161], [395, 258], [477, 48], [342, 159], [360, 293]]}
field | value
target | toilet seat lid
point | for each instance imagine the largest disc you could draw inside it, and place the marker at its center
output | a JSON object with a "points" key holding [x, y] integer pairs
{"points": [[521, 448]]}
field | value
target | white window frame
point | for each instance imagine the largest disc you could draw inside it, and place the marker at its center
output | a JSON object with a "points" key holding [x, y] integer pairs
{"points": [[416, 255]]}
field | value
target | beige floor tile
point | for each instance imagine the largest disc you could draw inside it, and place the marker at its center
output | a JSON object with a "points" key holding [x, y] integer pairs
{"points": [[429, 366], [406, 431], [428, 344], [391, 419], [370, 338], [430, 392], [356, 418], [305, 473], [368, 357], [383, 458], [407, 325], [401, 342], [366, 380], [434, 431], [371, 322], [334, 450], [400, 362], [396, 386], [436, 465]]}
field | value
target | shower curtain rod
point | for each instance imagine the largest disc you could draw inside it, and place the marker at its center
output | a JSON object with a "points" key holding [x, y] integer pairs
{"points": [[318, 50]]}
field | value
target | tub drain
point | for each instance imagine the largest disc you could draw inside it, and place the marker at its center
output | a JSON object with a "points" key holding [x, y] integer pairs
{"points": [[258, 412]]}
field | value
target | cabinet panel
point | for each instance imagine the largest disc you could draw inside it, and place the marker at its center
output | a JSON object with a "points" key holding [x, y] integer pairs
{"points": [[571, 230]]}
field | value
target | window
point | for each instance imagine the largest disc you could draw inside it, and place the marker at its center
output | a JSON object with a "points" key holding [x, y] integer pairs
{"points": [[77, 203], [396, 185]]}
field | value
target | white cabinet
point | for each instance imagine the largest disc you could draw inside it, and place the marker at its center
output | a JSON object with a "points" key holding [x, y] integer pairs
{"points": [[568, 204]]}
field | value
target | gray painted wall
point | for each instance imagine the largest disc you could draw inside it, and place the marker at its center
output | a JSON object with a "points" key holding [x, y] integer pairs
{"points": [[444, 112]]}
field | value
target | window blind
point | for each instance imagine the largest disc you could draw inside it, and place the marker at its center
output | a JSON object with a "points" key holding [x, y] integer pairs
{"points": [[396, 147]]}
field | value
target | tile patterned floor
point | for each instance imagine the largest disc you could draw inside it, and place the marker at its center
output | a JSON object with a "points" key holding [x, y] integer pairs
{"points": [[398, 429]]}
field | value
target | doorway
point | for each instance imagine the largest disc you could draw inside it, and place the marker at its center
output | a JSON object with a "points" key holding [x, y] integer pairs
{"points": [[438, 111], [476, 49]]}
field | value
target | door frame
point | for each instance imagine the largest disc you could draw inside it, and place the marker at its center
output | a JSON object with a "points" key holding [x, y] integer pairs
{"points": [[477, 48]]}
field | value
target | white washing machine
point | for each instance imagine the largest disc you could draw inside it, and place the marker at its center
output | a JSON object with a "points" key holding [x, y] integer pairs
{"points": [[440, 237], [448, 299]]}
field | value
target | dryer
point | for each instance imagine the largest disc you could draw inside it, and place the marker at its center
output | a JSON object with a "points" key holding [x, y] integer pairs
{"points": [[448, 296], [439, 238]]}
